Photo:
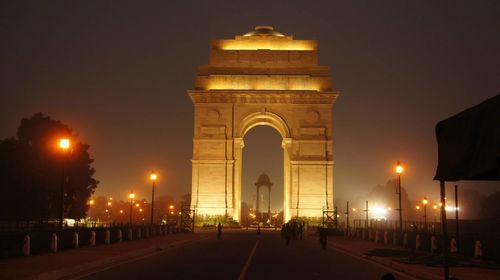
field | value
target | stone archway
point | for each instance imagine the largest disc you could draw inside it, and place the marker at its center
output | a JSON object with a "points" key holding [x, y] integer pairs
{"points": [[262, 78]]}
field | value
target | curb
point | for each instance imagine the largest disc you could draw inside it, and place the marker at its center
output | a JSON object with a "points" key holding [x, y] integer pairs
{"points": [[390, 264]]}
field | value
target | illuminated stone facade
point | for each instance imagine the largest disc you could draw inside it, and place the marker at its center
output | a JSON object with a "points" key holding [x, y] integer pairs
{"points": [[262, 78]]}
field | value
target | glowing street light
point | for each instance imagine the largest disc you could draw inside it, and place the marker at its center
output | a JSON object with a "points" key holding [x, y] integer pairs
{"points": [[91, 202], [153, 177], [417, 207], [64, 145]]}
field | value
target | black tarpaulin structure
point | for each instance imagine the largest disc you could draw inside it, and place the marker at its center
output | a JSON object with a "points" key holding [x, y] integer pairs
{"points": [[468, 149], [469, 144]]}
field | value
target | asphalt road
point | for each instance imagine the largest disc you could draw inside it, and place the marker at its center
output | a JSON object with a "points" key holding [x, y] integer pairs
{"points": [[245, 255]]}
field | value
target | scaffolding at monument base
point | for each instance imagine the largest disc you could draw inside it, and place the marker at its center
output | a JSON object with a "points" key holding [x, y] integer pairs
{"points": [[330, 217], [187, 218]]}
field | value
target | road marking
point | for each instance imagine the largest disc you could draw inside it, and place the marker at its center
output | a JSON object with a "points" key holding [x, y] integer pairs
{"points": [[400, 273], [249, 260]]}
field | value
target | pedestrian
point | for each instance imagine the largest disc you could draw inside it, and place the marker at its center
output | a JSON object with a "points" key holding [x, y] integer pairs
{"points": [[219, 230], [388, 276], [288, 233], [301, 230], [323, 233]]}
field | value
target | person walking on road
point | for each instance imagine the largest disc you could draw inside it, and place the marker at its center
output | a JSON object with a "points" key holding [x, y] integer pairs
{"points": [[219, 230], [288, 233], [323, 233]]}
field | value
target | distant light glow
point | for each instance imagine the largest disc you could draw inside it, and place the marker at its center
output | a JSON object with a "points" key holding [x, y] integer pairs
{"points": [[64, 143], [379, 213], [153, 176], [399, 168], [131, 195]]}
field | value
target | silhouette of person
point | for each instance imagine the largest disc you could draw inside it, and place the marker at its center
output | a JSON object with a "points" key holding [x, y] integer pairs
{"points": [[219, 230], [288, 233], [388, 276], [323, 233]]}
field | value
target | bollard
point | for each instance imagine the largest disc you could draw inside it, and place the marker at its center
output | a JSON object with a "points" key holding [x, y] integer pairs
{"points": [[92, 238], [386, 237], [433, 244], [377, 236], [478, 249], [130, 236], [27, 246], [75, 240], [418, 244], [146, 233], [53, 243], [453, 246], [107, 240], [138, 233], [119, 236]]}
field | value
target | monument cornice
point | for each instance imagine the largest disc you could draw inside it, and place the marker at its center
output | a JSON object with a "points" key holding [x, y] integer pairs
{"points": [[263, 96]]}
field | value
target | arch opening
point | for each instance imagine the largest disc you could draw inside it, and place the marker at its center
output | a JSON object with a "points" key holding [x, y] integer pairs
{"points": [[262, 154]]}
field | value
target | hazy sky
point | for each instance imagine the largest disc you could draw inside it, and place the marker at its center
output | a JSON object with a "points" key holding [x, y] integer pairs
{"points": [[118, 72]]}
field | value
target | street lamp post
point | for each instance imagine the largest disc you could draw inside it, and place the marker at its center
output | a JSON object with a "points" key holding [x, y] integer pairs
{"points": [[64, 144], [399, 170], [153, 177], [424, 202], [131, 196]]}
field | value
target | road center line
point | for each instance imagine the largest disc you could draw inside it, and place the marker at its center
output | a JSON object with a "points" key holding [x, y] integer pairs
{"points": [[249, 260]]}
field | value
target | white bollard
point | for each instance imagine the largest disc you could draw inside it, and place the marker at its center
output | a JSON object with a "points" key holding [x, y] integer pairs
{"points": [[478, 249], [53, 243], [386, 237], [107, 239], [75, 240], [433, 244], [418, 243], [92, 238], [138, 233], [453, 246], [130, 236], [27, 246], [119, 236]]}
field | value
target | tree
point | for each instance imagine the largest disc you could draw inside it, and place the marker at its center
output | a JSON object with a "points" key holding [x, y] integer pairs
{"points": [[491, 207], [31, 172]]}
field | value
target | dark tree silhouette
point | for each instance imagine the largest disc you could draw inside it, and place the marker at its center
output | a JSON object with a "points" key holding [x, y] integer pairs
{"points": [[31, 172], [491, 207]]}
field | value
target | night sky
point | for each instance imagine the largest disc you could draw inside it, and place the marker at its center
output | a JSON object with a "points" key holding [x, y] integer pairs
{"points": [[118, 72]]}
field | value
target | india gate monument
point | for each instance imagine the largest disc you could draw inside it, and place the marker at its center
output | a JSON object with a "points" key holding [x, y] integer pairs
{"points": [[262, 78]]}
